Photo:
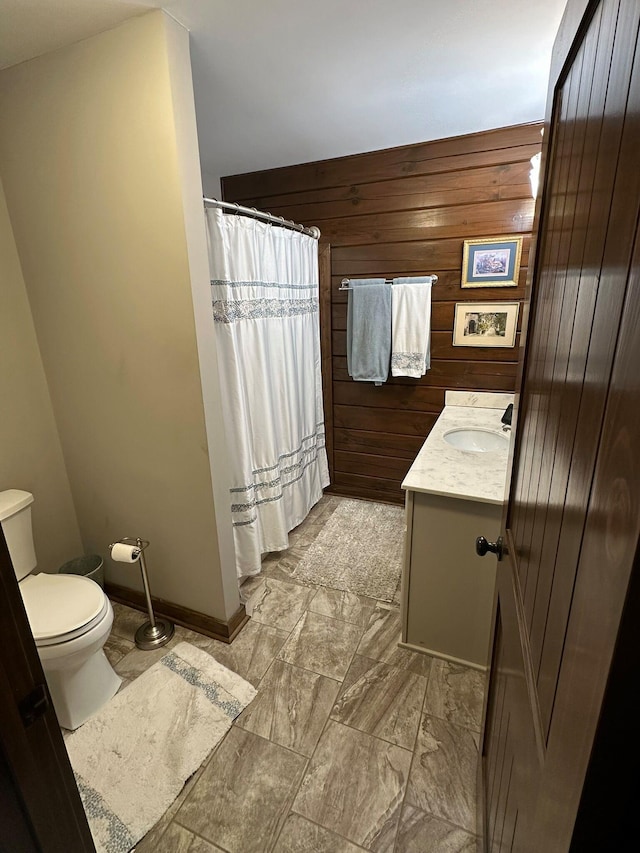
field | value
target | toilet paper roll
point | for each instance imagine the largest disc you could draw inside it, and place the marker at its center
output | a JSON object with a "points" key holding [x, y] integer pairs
{"points": [[122, 553]]}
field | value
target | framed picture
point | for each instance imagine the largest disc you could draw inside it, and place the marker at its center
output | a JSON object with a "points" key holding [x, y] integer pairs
{"points": [[491, 262], [485, 324]]}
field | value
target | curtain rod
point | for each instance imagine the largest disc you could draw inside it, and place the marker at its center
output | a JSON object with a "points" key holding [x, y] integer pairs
{"points": [[312, 231], [344, 284]]}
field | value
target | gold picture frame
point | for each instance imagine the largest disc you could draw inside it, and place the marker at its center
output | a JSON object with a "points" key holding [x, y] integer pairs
{"points": [[491, 262]]}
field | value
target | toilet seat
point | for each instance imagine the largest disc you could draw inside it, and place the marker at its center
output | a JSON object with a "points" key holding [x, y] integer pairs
{"points": [[62, 607]]}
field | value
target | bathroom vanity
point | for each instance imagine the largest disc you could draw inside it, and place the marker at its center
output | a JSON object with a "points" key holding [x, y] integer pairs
{"points": [[455, 491]]}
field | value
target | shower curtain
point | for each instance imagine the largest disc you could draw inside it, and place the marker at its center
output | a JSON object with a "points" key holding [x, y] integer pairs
{"points": [[264, 287]]}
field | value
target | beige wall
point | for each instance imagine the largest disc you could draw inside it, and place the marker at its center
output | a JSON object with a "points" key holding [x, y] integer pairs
{"points": [[89, 156], [30, 452], [184, 115]]}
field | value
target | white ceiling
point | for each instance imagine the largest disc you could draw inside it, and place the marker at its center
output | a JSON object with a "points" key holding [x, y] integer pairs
{"points": [[288, 81]]}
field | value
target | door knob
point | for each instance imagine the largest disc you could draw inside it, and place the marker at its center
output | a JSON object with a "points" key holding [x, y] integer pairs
{"points": [[483, 546]]}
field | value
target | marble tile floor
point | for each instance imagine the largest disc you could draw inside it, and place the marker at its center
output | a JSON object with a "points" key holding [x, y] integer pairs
{"points": [[352, 743]]}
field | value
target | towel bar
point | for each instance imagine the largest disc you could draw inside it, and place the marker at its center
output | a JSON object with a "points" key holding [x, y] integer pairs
{"points": [[344, 284]]}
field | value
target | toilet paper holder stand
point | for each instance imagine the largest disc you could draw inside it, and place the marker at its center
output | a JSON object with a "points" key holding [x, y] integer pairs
{"points": [[157, 631]]}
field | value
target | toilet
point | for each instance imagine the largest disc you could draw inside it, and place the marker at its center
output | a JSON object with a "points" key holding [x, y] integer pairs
{"points": [[70, 618]]}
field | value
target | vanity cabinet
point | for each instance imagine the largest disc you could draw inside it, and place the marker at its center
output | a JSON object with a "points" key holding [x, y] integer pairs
{"points": [[455, 493], [447, 590]]}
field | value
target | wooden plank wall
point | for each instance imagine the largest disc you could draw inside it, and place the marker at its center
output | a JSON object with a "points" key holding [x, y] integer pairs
{"points": [[405, 211]]}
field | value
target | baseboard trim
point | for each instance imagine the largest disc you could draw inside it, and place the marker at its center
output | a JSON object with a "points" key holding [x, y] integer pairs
{"points": [[343, 492], [442, 656], [200, 622]]}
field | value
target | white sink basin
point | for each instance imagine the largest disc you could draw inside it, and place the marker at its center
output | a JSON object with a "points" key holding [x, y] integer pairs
{"points": [[476, 439]]}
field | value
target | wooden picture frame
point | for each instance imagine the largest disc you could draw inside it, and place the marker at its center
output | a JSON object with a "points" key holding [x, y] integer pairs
{"points": [[491, 262], [485, 324]]}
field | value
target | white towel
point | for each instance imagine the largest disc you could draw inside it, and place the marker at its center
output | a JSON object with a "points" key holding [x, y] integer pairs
{"points": [[411, 326]]}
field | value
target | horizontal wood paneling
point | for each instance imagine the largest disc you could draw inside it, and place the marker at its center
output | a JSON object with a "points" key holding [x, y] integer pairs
{"points": [[423, 192], [364, 441], [507, 145], [448, 289], [384, 420], [424, 250], [372, 466], [415, 397], [376, 487], [442, 347], [397, 259], [469, 375], [406, 211], [442, 316], [440, 223], [362, 492]]}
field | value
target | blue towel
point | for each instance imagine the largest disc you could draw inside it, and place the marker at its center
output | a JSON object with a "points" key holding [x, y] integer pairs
{"points": [[369, 330]]}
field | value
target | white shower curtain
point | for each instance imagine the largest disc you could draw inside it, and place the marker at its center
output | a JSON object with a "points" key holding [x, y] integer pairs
{"points": [[264, 287]]}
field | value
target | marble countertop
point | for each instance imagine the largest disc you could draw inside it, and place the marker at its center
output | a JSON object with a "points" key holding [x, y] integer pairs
{"points": [[440, 469]]}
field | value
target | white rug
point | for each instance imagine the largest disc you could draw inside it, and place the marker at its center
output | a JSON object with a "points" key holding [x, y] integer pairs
{"points": [[359, 550], [132, 759]]}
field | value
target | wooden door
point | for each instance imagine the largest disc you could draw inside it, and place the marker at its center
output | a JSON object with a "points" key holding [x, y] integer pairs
{"points": [[571, 527], [40, 808]]}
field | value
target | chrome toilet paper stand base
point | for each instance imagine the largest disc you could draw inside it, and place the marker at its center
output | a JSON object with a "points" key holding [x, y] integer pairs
{"points": [[156, 632]]}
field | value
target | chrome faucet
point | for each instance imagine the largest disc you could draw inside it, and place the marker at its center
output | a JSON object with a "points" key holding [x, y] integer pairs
{"points": [[506, 418]]}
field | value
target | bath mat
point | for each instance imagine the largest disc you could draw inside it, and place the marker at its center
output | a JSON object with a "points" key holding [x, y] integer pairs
{"points": [[359, 550], [133, 757]]}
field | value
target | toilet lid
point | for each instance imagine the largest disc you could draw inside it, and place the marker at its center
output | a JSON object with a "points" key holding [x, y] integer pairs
{"points": [[57, 605]]}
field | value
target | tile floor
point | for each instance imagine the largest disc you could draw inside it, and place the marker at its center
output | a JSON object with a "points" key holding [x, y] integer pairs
{"points": [[352, 743]]}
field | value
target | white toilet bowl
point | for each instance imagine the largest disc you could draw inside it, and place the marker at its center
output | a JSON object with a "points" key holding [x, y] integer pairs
{"points": [[70, 618]]}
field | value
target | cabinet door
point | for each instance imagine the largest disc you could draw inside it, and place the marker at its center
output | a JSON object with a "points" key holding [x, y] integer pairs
{"points": [[451, 590]]}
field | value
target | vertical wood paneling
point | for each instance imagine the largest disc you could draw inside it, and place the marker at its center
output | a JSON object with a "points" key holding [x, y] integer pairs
{"points": [[589, 224], [404, 211], [572, 525], [591, 220], [603, 296], [560, 322], [536, 422]]}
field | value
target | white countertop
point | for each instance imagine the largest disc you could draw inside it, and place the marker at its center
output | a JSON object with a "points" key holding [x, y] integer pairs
{"points": [[440, 469]]}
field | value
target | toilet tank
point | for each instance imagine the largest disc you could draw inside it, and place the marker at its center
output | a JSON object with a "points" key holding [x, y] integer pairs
{"points": [[15, 519]]}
